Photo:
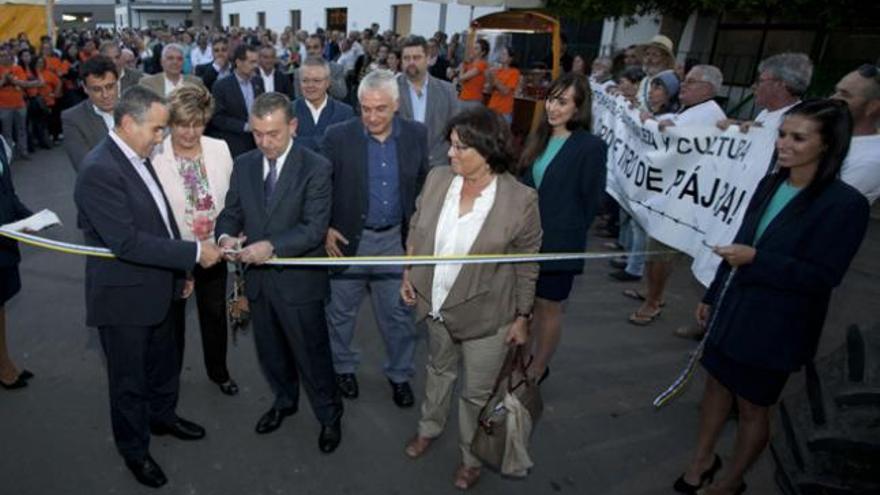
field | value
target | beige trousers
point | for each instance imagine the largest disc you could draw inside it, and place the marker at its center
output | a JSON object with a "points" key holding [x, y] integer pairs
{"points": [[481, 361]]}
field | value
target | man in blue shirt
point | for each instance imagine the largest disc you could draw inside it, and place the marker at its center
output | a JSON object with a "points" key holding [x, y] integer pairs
{"points": [[379, 165]]}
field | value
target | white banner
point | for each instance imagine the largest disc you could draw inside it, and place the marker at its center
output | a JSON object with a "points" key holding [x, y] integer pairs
{"points": [[688, 187]]}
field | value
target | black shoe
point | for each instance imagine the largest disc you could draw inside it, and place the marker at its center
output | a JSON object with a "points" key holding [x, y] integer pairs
{"points": [[229, 387], [271, 420], [682, 486], [330, 437], [619, 262], [147, 472], [18, 383], [181, 429], [624, 276], [402, 394], [348, 385], [25, 375]]}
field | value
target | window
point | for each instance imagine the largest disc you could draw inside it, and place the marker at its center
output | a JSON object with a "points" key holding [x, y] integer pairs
{"points": [[337, 20], [402, 20], [261, 19], [234, 20], [296, 20]]}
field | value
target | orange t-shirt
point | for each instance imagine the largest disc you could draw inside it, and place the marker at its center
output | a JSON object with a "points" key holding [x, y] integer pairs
{"points": [[56, 65], [47, 91], [472, 89], [500, 103], [11, 96]]}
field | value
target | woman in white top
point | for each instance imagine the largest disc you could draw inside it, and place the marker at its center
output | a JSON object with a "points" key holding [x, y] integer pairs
{"points": [[476, 311], [194, 171]]}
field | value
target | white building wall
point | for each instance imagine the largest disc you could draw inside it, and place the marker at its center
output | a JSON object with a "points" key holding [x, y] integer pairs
{"points": [[361, 13], [616, 35]]}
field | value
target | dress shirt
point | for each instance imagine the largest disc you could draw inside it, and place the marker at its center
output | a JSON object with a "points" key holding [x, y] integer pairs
{"points": [[419, 100], [221, 71], [316, 111], [171, 86], [279, 163], [455, 236], [268, 80], [152, 185], [383, 180], [198, 56], [861, 168], [106, 116], [247, 90]]}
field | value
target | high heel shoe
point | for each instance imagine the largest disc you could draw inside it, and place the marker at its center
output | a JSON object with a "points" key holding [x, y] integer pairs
{"points": [[682, 486], [18, 383]]}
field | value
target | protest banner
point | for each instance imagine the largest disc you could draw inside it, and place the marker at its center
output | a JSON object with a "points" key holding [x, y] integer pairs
{"points": [[688, 187]]}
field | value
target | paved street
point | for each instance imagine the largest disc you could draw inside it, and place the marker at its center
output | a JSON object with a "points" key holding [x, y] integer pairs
{"points": [[599, 434]]}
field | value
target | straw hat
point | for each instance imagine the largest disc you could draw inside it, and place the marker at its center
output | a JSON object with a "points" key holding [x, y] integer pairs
{"points": [[663, 43]]}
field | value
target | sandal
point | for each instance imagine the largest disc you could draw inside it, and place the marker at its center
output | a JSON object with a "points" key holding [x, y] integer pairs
{"points": [[638, 296], [417, 446], [642, 319], [466, 477]]}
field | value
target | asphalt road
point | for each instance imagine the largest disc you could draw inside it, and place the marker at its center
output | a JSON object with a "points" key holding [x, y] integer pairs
{"points": [[599, 434]]}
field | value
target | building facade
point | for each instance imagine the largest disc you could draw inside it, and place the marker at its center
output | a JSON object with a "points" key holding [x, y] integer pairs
{"points": [[159, 13], [402, 16]]}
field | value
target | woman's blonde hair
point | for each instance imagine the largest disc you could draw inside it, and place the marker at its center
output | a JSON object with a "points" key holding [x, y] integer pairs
{"points": [[190, 103]]}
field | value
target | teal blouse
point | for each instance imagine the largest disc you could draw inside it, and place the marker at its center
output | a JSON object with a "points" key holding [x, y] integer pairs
{"points": [[783, 195], [543, 161]]}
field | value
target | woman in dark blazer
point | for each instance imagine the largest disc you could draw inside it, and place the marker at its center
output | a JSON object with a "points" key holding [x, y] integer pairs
{"points": [[765, 309], [566, 164], [11, 210]]}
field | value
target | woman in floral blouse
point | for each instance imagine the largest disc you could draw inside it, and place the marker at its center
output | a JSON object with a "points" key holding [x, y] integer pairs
{"points": [[194, 171]]}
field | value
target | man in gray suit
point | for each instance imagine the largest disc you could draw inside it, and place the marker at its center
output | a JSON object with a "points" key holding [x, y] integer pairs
{"points": [[88, 122], [338, 88], [127, 77], [426, 99], [172, 76]]}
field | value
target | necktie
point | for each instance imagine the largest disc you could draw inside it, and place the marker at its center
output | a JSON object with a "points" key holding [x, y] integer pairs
{"points": [[271, 179]]}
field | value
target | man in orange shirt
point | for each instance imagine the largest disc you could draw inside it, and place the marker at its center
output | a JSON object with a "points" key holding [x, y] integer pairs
{"points": [[472, 75], [13, 112], [503, 82]]}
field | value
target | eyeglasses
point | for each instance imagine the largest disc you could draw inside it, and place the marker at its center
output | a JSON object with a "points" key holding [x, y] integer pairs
{"points": [[460, 148], [313, 82], [105, 89]]}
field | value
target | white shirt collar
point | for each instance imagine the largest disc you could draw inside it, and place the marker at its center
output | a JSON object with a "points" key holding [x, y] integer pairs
{"points": [[279, 163], [126, 149], [106, 116], [316, 111], [171, 86]]}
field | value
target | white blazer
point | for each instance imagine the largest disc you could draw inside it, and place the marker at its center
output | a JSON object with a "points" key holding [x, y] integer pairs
{"points": [[218, 164]]}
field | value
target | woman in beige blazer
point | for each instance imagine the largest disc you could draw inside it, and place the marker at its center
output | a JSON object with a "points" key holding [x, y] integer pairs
{"points": [[194, 171], [474, 311]]}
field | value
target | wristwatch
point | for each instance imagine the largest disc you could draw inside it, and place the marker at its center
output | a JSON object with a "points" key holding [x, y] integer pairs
{"points": [[527, 316]]}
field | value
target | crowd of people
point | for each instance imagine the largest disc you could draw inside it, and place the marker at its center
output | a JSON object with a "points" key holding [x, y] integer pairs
{"points": [[194, 148]]}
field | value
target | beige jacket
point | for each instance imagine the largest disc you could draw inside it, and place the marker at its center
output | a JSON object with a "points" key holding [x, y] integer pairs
{"points": [[156, 82], [218, 165], [484, 297]]}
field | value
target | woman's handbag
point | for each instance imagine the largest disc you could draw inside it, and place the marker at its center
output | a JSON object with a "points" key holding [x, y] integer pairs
{"points": [[506, 420]]}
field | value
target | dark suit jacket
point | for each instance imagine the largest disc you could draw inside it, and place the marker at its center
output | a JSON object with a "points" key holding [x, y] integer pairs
{"points": [[308, 132], [283, 82], [129, 79], [438, 70], [295, 221], [345, 144], [208, 74], [442, 105], [230, 114], [11, 210], [83, 130], [569, 197], [116, 211], [772, 312]]}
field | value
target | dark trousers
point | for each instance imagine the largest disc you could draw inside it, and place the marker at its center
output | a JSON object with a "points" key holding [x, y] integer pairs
{"points": [[293, 347], [143, 375], [210, 295]]}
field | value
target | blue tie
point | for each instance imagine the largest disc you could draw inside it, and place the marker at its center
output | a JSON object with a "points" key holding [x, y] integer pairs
{"points": [[271, 179]]}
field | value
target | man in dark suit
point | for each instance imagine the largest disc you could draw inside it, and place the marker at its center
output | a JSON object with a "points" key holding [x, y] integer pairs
{"points": [[219, 68], [136, 298], [273, 78], [426, 99], [233, 98], [316, 111], [88, 122], [127, 77], [279, 204], [379, 165]]}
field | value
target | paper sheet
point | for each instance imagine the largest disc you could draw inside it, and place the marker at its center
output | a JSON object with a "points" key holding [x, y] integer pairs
{"points": [[34, 223]]}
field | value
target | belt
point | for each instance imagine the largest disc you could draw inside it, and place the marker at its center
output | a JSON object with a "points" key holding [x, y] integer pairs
{"points": [[384, 228]]}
